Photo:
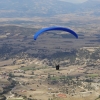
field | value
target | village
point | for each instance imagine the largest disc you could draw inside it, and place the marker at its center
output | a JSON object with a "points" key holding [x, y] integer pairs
{"points": [[36, 80]]}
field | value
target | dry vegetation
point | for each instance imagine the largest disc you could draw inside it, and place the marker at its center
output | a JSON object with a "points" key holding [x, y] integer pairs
{"points": [[31, 64]]}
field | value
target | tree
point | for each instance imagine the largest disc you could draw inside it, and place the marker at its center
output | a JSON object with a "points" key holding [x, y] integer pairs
{"points": [[30, 96], [49, 76], [32, 73], [24, 97], [11, 75]]}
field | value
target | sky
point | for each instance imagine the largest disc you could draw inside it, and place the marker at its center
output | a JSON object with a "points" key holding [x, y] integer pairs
{"points": [[75, 1]]}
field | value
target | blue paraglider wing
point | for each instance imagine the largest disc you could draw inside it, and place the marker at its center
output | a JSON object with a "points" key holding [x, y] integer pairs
{"points": [[54, 28]]}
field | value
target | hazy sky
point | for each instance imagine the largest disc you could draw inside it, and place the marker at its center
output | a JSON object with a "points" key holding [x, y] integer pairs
{"points": [[75, 1]]}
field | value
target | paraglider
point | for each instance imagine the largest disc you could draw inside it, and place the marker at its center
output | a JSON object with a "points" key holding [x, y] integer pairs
{"points": [[54, 28]]}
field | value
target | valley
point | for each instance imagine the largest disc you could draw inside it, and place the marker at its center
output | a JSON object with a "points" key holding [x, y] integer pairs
{"points": [[28, 67]]}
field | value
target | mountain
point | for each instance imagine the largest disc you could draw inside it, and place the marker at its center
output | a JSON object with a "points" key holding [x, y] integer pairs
{"points": [[31, 8], [92, 6]]}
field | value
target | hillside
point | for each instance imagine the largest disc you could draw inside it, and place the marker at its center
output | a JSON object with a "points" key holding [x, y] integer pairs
{"points": [[31, 8], [93, 6], [56, 45]]}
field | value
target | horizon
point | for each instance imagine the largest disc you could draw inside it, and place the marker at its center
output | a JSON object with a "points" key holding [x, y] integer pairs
{"points": [[75, 1]]}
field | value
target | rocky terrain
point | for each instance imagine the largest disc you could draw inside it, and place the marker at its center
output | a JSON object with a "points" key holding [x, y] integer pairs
{"points": [[36, 78], [27, 67]]}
